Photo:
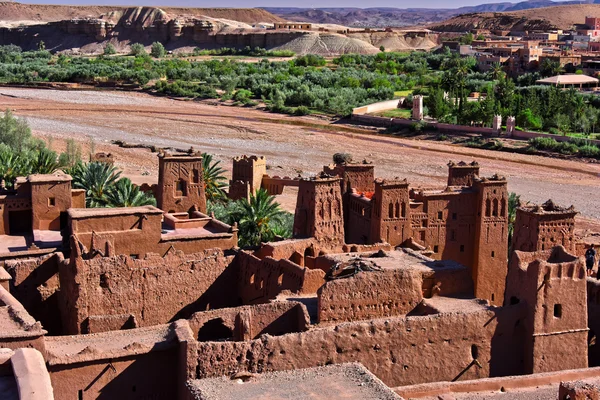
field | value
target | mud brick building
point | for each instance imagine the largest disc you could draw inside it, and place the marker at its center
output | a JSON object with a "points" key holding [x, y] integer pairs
{"points": [[415, 284]]}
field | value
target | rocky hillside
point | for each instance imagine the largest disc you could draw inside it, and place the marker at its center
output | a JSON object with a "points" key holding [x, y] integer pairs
{"points": [[397, 17], [559, 17], [89, 29]]}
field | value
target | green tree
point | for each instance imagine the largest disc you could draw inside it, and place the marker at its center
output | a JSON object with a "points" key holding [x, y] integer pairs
{"points": [[14, 132], [125, 194], [549, 67], [138, 49], [256, 218], [12, 165], [97, 179], [109, 49], [382, 49], [436, 103], [214, 178], [157, 50], [72, 154]]}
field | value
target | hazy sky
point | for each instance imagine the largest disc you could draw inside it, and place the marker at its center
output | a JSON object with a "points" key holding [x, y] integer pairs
{"points": [[278, 3]]}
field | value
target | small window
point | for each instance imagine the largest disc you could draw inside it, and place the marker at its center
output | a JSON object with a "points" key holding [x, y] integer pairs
{"points": [[51, 201], [493, 254], [493, 297], [134, 256], [440, 215], [454, 216], [424, 223], [462, 248], [252, 279], [558, 311], [436, 249]]}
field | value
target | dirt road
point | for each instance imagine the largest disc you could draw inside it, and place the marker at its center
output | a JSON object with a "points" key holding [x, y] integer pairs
{"points": [[292, 145]]}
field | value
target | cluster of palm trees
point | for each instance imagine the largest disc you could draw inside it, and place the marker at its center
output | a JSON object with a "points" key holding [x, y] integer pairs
{"points": [[104, 186]]}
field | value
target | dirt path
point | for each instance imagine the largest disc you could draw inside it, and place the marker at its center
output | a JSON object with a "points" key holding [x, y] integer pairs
{"points": [[292, 145]]}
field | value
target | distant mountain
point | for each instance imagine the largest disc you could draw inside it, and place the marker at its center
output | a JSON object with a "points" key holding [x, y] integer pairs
{"points": [[378, 17]]}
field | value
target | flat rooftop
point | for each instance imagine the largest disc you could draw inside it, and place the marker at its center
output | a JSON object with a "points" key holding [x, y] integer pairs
{"points": [[401, 259], [342, 381], [107, 212], [21, 243], [98, 346]]}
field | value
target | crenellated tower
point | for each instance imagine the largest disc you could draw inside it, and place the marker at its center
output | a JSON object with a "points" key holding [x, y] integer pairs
{"points": [[390, 212], [180, 183], [319, 209], [247, 176]]}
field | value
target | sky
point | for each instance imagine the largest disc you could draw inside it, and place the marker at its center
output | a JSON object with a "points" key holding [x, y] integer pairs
{"points": [[279, 3]]}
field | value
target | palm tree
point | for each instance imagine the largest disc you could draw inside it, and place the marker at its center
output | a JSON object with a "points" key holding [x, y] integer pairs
{"points": [[96, 178], [255, 218], [44, 162], [497, 71], [12, 165], [125, 194], [214, 180]]}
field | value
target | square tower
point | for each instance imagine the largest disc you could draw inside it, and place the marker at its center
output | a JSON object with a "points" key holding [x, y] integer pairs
{"points": [[390, 214], [462, 174], [491, 239], [543, 227], [551, 287], [180, 183], [50, 198], [247, 176], [319, 209]]}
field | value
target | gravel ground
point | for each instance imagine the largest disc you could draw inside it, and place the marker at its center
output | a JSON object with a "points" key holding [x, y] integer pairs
{"points": [[292, 145]]}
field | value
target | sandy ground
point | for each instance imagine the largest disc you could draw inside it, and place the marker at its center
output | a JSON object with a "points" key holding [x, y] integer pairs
{"points": [[292, 145]]}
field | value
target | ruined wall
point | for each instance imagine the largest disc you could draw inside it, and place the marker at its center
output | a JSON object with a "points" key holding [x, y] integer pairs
{"points": [[262, 280], [249, 322], [399, 351], [35, 285], [370, 295], [104, 291]]}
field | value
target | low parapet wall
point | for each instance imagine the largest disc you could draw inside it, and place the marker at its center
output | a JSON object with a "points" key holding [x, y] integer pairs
{"points": [[378, 107], [275, 185], [429, 390]]}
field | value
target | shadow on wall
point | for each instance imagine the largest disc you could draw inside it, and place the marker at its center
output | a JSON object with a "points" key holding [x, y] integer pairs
{"points": [[510, 334], [221, 294]]}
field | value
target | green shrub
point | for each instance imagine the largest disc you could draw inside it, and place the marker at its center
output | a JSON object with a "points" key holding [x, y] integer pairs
{"points": [[301, 110], [157, 50], [138, 49], [544, 143], [589, 150], [109, 49], [567, 148]]}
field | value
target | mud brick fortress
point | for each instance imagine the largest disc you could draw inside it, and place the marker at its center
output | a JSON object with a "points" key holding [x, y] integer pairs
{"points": [[385, 290]]}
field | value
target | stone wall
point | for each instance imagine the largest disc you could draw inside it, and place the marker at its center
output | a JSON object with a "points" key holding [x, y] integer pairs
{"points": [[121, 292]]}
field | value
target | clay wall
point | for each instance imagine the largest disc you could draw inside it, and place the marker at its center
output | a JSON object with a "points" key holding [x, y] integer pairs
{"points": [[369, 295], [262, 280], [238, 190], [275, 185], [593, 321], [17, 328], [359, 219], [249, 169], [249, 322], [50, 197], [390, 214], [357, 176], [78, 198], [552, 285], [35, 285], [490, 264], [399, 351], [537, 230], [462, 174], [180, 183], [107, 293], [134, 230], [319, 211], [15, 210], [152, 375]]}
